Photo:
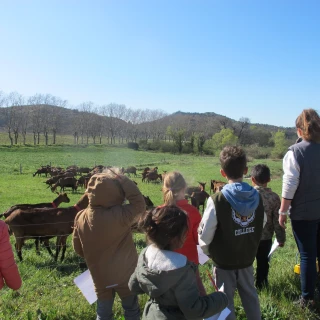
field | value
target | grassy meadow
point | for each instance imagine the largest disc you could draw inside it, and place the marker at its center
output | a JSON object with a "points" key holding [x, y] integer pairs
{"points": [[48, 291]]}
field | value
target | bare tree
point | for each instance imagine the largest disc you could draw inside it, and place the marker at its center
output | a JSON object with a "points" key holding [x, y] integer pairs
{"points": [[135, 119], [225, 122], [24, 124], [75, 125], [85, 109], [45, 122], [242, 125], [56, 114], [157, 129], [100, 123], [36, 101], [125, 126], [2, 98], [17, 101], [94, 125], [114, 113], [13, 117], [146, 120]]}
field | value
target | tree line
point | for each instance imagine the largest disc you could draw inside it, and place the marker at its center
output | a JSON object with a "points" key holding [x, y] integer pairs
{"points": [[44, 116]]}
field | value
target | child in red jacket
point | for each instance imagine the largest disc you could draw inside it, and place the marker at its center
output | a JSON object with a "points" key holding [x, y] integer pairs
{"points": [[9, 273], [174, 187]]}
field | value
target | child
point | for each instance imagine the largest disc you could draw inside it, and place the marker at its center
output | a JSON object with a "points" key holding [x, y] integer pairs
{"points": [[9, 273], [167, 276], [102, 235], [230, 232], [174, 187], [260, 176]]}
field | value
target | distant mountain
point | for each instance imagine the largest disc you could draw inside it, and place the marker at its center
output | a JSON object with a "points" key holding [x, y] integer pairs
{"points": [[208, 122]]}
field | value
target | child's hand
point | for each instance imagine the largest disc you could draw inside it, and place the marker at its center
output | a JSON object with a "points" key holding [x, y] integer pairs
{"points": [[281, 245]]}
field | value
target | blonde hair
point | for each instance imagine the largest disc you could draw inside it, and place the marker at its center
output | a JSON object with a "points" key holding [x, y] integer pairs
{"points": [[309, 124], [173, 183]]}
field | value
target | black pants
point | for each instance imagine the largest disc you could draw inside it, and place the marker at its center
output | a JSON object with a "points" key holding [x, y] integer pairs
{"points": [[263, 263]]}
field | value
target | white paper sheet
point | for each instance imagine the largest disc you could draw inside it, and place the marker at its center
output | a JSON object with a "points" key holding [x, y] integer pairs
{"points": [[85, 283], [220, 316], [275, 245], [203, 258]]}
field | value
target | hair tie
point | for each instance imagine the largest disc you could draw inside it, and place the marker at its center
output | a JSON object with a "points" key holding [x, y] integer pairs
{"points": [[170, 189]]}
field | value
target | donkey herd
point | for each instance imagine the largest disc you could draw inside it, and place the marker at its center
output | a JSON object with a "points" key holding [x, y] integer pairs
{"points": [[43, 221]]}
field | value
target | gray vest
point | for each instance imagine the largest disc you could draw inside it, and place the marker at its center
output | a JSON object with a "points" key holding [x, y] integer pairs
{"points": [[306, 201]]}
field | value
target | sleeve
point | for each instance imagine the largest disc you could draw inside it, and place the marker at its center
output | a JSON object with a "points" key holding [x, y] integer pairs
{"points": [[76, 242], [196, 223], [8, 268], [192, 304], [280, 232], [291, 176], [208, 226], [136, 206], [134, 285]]}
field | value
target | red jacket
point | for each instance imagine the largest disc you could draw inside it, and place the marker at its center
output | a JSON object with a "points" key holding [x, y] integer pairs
{"points": [[9, 272], [189, 248]]}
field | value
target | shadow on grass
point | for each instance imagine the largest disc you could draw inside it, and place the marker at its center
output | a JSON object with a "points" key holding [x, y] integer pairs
{"points": [[288, 287]]}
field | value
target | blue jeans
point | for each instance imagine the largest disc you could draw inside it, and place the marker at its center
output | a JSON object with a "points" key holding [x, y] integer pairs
{"points": [[306, 235], [129, 304]]}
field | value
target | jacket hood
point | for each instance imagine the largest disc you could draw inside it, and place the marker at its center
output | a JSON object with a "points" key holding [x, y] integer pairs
{"points": [[104, 191], [243, 198], [156, 282]]}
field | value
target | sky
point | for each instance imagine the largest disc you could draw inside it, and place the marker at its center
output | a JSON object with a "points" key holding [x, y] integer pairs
{"points": [[258, 59]]}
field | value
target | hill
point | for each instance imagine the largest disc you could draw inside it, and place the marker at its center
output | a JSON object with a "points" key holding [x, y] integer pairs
{"points": [[125, 123]]}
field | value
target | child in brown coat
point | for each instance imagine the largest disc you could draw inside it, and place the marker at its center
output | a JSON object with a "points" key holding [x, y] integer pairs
{"points": [[102, 235]]}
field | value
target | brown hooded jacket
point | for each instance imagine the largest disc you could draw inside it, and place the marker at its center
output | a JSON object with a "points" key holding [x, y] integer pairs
{"points": [[102, 233]]}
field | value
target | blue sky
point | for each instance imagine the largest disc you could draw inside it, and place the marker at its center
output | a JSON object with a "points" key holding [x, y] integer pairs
{"points": [[258, 59]]}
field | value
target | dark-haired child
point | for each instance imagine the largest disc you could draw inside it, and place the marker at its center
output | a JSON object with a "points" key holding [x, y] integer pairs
{"points": [[260, 177], [230, 232], [167, 276]]}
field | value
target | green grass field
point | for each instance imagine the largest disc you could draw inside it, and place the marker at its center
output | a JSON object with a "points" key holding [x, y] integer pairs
{"points": [[48, 291]]}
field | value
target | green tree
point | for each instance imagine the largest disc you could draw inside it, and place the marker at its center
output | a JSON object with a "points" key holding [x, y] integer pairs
{"points": [[223, 138], [280, 144], [199, 143], [177, 136], [219, 140]]}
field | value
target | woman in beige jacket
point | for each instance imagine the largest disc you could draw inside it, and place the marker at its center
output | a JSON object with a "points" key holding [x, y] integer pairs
{"points": [[102, 236]]}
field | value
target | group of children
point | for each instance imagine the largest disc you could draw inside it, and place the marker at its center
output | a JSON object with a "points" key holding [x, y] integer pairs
{"points": [[237, 227]]}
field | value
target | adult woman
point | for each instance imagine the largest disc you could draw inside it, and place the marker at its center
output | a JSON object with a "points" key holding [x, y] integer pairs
{"points": [[301, 191]]}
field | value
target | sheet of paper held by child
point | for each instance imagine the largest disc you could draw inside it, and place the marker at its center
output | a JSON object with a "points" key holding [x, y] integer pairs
{"points": [[275, 245], [85, 283], [220, 316], [202, 257]]}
